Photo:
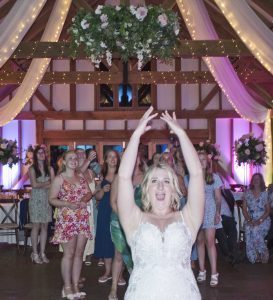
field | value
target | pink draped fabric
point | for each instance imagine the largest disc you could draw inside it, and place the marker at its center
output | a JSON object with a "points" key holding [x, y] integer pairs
{"points": [[201, 28]]}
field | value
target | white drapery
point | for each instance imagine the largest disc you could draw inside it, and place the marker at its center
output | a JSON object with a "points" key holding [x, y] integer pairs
{"points": [[16, 24], [267, 169], [38, 66], [251, 29], [201, 28]]}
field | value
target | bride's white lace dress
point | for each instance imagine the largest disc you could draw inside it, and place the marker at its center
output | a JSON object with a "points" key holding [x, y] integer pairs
{"points": [[162, 268]]}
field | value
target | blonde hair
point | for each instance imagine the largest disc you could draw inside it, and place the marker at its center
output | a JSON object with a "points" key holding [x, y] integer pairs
{"points": [[62, 160], [175, 197]]}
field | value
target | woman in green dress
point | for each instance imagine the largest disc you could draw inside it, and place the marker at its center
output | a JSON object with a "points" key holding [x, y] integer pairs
{"points": [[122, 250]]}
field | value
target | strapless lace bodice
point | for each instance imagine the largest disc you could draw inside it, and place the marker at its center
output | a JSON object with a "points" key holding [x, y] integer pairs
{"points": [[162, 268]]}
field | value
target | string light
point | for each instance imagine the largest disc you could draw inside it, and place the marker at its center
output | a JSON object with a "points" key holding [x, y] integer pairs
{"points": [[209, 61], [13, 36], [247, 36], [38, 66]]}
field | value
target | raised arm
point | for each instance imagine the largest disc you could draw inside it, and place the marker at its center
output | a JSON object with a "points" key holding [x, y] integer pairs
{"points": [[193, 211], [129, 213]]}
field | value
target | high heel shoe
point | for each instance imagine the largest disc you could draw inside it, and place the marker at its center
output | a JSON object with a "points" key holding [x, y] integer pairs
{"points": [[35, 258], [44, 258], [67, 293], [78, 294], [201, 276]]}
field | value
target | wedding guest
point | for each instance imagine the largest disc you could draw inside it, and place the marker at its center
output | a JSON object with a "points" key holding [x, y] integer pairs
{"points": [[211, 221], [70, 194], [256, 210], [161, 236], [104, 247], [40, 211], [122, 249]]}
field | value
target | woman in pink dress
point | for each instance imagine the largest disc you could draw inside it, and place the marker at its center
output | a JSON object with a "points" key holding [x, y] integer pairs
{"points": [[70, 193]]}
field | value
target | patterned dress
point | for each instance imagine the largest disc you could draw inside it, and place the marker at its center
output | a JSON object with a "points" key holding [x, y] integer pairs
{"points": [[118, 235], [210, 204], [256, 248], [40, 210], [71, 222]]}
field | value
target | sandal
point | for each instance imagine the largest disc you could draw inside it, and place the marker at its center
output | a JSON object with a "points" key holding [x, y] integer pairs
{"points": [[104, 279], [201, 276], [67, 293], [121, 282], [78, 294], [214, 280]]}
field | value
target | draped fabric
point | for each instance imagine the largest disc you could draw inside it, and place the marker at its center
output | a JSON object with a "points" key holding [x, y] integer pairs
{"points": [[201, 28], [251, 29], [267, 169], [16, 24], [38, 66]]}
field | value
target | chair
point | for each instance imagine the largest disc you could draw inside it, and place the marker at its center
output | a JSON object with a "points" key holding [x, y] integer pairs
{"points": [[241, 233], [9, 218], [25, 223]]}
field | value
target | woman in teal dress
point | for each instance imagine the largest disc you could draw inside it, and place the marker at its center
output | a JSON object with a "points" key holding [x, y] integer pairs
{"points": [[256, 210], [122, 249]]}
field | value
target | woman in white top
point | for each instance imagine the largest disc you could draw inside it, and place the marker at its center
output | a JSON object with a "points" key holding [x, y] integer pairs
{"points": [[161, 237]]}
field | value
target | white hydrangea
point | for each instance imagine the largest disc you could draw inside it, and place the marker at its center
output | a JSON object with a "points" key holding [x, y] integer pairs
{"points": [[98, 9], [84, 24]]}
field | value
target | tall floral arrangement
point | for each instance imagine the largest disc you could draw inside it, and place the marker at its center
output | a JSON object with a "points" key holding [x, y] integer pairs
{"points": [[251, 150], [8, 152], [212, 150], [142, 32]]}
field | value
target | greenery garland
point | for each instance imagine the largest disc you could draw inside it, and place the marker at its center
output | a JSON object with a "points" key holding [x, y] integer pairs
{"points": [[141, 32]]}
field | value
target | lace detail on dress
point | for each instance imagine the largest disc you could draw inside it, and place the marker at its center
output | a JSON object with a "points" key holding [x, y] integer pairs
{"points": [[162, 268]]}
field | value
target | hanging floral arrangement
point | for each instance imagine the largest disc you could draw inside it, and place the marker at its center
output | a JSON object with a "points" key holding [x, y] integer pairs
{"points": [[141, 32], [212, 150], [250, 150], [8, 152]]}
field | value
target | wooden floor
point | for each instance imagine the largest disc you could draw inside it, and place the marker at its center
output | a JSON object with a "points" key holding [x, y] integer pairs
{"points": [[22, 280]]}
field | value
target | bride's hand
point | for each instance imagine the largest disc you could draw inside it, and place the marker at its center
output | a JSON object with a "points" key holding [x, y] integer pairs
{"points": [[172, 122], [143, 122]]}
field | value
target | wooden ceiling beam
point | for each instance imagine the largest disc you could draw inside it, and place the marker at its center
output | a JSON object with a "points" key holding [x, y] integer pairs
{"points": [[208, 98], [135, 77], [43, 100], [7, 90], [187, 48], [169, 4], [125, 114], [81, 4]]}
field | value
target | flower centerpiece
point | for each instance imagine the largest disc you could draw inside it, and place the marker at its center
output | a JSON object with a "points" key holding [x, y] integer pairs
{"points": [[8, 152], [212, 150], [251, 150], [142, 32]]}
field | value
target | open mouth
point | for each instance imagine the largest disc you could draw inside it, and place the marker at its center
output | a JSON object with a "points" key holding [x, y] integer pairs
{"points": [[160, 196]]}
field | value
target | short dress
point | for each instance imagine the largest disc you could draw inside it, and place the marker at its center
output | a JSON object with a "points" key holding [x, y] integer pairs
{"points": [[210, 205], [40, 211], [71, 222]]}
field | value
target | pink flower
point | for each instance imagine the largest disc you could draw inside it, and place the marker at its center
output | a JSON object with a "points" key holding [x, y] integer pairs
{"points": [[216, 157], [141, 13], [247, 151], [162, 20], [259, 147], [201, 144], [209, 156]]}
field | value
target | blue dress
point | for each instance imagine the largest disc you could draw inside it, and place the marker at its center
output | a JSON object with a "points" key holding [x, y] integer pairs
{"points": [[210, 204], [256, 248], [104, 247]]}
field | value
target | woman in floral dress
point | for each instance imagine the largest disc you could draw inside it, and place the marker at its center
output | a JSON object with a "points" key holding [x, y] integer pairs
{"points": [[211, 222], [256, 210], [40, 211], [70, 193]]}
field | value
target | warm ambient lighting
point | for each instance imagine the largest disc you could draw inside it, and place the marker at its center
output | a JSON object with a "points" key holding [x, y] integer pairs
{"points": [[256, 39], [211, 62], [12, 35], [38, 66]]}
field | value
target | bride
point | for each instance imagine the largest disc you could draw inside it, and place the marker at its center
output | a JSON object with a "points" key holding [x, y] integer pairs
{"points": [[160, 236]]}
